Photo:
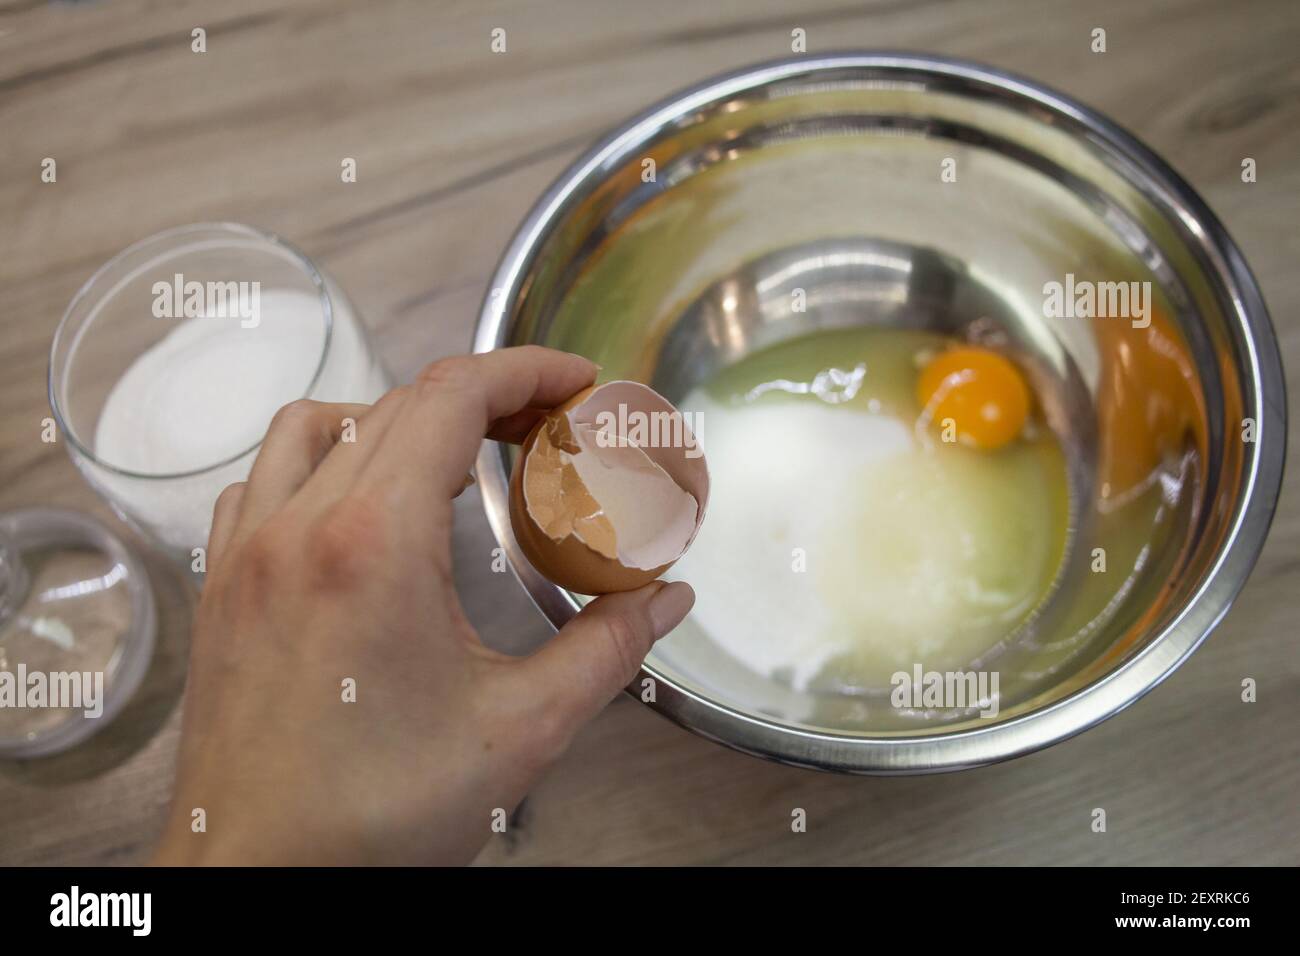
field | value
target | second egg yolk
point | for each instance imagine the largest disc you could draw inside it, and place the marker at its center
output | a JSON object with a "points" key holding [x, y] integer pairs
{"points": [[978, 393]]}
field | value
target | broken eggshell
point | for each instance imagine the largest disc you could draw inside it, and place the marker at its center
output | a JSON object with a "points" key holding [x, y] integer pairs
{"points": [[599, 503]]}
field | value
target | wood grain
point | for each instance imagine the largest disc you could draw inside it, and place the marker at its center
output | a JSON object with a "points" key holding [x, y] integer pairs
{"points": [[452, 145]]}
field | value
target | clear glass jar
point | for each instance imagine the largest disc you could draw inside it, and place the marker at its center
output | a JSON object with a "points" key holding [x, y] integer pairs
{"points": [[171, 360]]}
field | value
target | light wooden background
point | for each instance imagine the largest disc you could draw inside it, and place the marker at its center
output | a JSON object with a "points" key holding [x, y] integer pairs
{"points": [[452, 145]]}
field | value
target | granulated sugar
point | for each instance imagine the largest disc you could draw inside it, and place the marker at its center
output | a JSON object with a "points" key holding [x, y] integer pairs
{"points": [[183, 412]]}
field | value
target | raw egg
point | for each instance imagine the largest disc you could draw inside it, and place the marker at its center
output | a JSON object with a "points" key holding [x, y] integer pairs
{"points": [[609, 489], [981, 393]]}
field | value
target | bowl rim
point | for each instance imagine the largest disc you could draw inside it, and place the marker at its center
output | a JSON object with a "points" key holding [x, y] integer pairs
{"points": [[1107, 695]]}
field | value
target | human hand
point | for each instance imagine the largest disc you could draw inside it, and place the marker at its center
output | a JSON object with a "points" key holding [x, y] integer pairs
{"points": [[333, 561]]}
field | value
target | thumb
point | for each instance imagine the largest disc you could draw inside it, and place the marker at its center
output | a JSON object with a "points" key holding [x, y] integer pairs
{"points": [[598, 653]]}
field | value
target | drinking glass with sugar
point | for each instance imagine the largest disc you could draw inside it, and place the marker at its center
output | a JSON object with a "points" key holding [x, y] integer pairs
{"points": [[171, 361]]}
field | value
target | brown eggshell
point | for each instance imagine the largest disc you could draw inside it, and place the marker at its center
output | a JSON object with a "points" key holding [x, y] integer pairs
{"points": [[569, 562], [691, 474]]}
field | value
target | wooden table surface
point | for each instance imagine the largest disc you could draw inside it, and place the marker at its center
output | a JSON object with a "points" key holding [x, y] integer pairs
{"points": [[452, 145]]}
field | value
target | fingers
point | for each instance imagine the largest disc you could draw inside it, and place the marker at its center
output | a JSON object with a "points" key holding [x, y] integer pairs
{"points": [[300, 435], [598, 653], [346, 461], [515, 428], [454, 403], [225, 514], [416, 440]]}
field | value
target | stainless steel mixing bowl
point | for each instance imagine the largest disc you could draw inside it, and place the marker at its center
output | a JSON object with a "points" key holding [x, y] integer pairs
{"points": [[914, 191]]}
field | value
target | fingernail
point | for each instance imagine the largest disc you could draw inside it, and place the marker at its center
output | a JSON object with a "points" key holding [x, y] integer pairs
{"points": [[669, 606]]}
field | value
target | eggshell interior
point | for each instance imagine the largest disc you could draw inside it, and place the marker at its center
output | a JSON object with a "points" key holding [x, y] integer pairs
{"points": [[600, 505]]}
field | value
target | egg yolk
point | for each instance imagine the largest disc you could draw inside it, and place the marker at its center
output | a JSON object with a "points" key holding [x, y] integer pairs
{"points": [[982, 394]]}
